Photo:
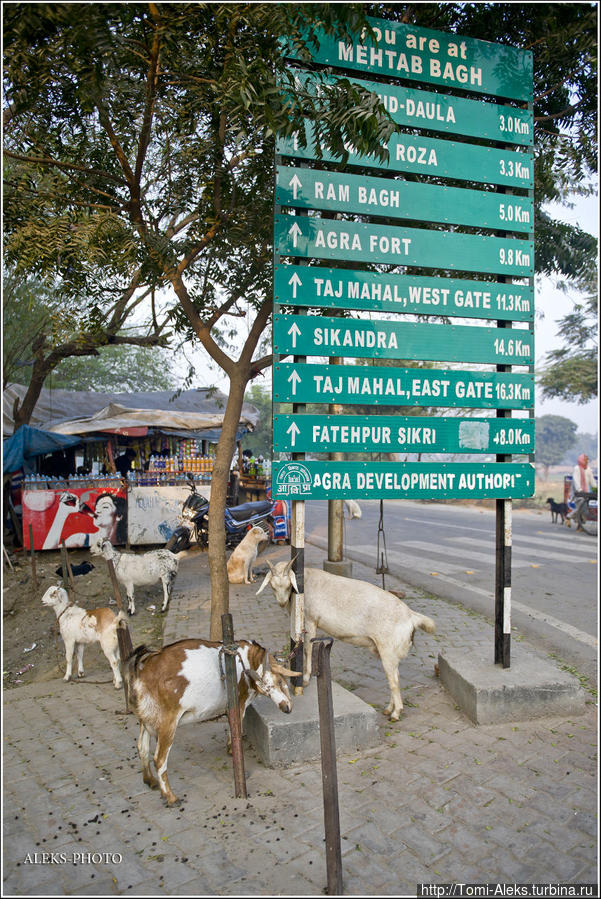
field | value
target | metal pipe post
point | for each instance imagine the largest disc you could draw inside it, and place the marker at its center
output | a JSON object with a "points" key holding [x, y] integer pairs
{"points": [[233, 705], [123, 635], [329, 776], [34, 573]]}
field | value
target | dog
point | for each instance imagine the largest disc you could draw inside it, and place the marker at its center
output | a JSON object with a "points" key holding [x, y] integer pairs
{"points": [[241, 561], [557, 510], [79, 626], [353, 508]]}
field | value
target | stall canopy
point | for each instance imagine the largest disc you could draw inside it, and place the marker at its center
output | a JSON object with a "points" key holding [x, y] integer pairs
{"points": [[28, 442], [191, 413]]}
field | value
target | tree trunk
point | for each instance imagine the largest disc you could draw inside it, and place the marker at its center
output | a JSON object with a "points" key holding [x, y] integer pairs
{"points": [[220, 595]]}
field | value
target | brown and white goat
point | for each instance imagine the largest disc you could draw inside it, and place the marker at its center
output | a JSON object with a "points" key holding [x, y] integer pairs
{"points": [[80, 626], [356, 612], [185, 682]]}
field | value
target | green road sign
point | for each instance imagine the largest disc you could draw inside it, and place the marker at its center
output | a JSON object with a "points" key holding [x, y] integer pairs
{"points": [[400, 434], [330, 288], [442, 112], [401, 480], [313, 335], [298, 382], [328, 239], [430, 156], [420, 54], [341, 192]]}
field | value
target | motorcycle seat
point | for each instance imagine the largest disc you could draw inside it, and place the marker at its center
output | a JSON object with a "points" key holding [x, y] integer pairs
{"points": [[247, 510]]}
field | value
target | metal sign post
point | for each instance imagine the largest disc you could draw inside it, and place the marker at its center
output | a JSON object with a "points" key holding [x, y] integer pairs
{"points": [[461, 247]]}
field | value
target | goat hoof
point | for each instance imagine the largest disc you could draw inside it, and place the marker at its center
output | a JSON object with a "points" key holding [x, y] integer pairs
{"points": [[172, 803], [80, 674]]}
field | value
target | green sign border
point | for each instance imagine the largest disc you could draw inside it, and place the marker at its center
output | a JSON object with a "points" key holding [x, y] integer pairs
{"points": [[402, 480], [296, 382], [505, 71], [402, 434], [416, 201], [340, 288], [432, 157]]}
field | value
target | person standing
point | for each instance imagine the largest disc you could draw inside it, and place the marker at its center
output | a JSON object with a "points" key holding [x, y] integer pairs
{"points": [[583, 483]]}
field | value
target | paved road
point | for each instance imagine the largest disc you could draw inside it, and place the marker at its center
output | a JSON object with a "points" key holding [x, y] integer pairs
{"points": [[449, 551]]}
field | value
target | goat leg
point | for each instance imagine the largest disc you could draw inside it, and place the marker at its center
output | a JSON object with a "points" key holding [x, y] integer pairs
{"points": [[164, 742], [144, 753], [80, 649], [69, 650]]}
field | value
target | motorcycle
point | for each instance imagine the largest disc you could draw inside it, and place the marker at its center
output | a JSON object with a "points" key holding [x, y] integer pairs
{"points": [[194, 527]]}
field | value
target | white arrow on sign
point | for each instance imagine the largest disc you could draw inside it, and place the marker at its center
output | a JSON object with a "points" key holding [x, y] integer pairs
{"points": [[296, 332], [295, 182], [296, 379], [296, 282], [293, 430], [296, 233]]}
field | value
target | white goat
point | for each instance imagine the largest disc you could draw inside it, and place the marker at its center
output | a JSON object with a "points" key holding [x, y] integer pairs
{"points": [[356, 612], [140, 570], [353, 508], [240, 563], [79, 626], [185, 682]]}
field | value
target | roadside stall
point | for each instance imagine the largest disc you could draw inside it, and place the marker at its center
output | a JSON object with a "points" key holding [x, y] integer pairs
{"points": [[134, 454]]}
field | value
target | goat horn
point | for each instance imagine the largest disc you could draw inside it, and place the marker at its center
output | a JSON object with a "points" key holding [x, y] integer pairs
{"points": [[286, 672], [291, 562]]}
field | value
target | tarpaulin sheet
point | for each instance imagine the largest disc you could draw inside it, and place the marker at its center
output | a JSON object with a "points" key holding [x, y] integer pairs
{"points": [[28, 442]]}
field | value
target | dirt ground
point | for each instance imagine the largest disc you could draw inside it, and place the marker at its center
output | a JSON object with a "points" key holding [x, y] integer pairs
{"points": [[32, 647]]}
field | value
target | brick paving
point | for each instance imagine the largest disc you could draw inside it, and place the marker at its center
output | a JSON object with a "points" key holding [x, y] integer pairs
{"points": [[438, 800]]}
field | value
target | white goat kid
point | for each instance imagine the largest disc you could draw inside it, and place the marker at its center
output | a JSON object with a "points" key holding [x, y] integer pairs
{"points": [[79, 626], [240, 563], [140, 570], [355, 612], [185, 682]]}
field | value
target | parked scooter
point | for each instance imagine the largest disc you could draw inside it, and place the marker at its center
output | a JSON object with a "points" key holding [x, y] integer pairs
{"points": [[194, 526]]}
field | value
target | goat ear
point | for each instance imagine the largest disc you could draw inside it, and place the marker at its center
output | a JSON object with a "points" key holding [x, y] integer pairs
{"points": [[266, 581], [293, 581]]}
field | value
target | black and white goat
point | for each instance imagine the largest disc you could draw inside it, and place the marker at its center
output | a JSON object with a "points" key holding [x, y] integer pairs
{"points": [[140, 570]]}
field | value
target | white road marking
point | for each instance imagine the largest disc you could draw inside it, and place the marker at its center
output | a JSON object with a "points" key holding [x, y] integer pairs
{"points": [[532, 551], [465, 552]]}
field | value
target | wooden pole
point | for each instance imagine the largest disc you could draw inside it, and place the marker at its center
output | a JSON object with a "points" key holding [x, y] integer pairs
{"points": [[233, 705], [67, 573]]}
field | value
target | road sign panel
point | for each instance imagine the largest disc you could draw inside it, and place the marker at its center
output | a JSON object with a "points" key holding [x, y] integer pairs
{"points": [[401, 480], [316, 335], [391, 198], [297, 382], [313, 237], [329, 288], [401, 434], [420, 54], [442, 112], [431, 156]]}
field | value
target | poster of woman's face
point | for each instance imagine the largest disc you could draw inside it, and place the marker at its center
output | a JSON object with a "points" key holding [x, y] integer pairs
{"points": [[79, 516]]}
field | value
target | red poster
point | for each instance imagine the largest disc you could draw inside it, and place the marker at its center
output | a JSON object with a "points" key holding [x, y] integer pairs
{"points": [[79, 516]]}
